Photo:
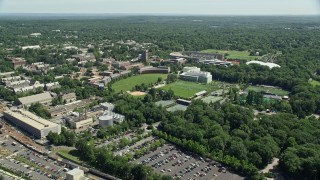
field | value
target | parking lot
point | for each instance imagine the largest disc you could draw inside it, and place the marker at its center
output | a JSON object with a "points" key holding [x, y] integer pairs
{"points": [[171, 161], [30, 163]]}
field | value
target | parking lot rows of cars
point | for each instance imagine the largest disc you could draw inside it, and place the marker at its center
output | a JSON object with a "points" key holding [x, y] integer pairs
{"points": [[184, 165], [30, 163]]}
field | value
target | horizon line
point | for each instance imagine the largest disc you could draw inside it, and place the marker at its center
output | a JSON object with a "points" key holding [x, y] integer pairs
{"points": [[156, 14]]}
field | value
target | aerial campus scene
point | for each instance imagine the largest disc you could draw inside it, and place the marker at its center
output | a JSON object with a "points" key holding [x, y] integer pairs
{"points": [[160, 90]]}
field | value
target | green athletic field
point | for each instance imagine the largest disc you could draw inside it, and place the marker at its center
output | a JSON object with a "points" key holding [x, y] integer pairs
{"points": [[244, 55], [186, 89], [129, 83]]}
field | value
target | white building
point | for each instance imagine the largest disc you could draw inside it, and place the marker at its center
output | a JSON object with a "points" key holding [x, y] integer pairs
{"points": [[270, 65], [75, 174], [195, 74], [35, 34], [30, 47]]}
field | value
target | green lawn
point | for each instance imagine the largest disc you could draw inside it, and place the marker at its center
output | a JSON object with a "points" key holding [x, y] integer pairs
{"points": [[186, 89], [129, 83], [70, 154], [276, 91], [314, 83], [244, 55]]}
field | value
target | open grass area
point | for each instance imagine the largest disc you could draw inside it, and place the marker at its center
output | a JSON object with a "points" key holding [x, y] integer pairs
{"points": [[275, 91], [314, 83], [244, 55], [186, 89], [72, 155], [129, 83]]}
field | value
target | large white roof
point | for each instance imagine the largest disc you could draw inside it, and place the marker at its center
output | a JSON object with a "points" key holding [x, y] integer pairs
{"points": [[270, 65], [31, 119]]}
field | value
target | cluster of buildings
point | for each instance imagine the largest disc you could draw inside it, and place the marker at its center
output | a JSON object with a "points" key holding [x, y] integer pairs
{"points": [[38, 67], [84, 58], [61, 110], [101, 114], [106, 77], [194, 74], [18, 84]]}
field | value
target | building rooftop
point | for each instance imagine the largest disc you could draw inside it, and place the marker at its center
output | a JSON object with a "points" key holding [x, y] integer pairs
{"points": [[196, 73], [35, 98], [201, 93], [31, 119], [75, 171], [270, 65]]}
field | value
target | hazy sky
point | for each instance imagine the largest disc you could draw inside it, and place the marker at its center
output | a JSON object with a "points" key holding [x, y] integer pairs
{"points": [[214, 7]]}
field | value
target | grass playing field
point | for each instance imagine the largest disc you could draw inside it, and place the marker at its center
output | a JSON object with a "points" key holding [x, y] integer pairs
{"points": [[129, 83], [276, 91], [314, 83], [245, 55], [187, 89]]}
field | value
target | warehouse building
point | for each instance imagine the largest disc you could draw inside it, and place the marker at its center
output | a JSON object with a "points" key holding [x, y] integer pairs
{"points": [[43, 98], [35, 125]]}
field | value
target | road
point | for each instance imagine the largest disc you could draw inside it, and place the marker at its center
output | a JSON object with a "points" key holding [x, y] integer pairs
{"points": [[271, 166]]}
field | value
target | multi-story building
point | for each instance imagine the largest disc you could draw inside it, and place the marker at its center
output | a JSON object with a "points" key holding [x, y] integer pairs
{"points": [[159, 69], [18, 62], [78, 121], [145, 56], [195, 75]]}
